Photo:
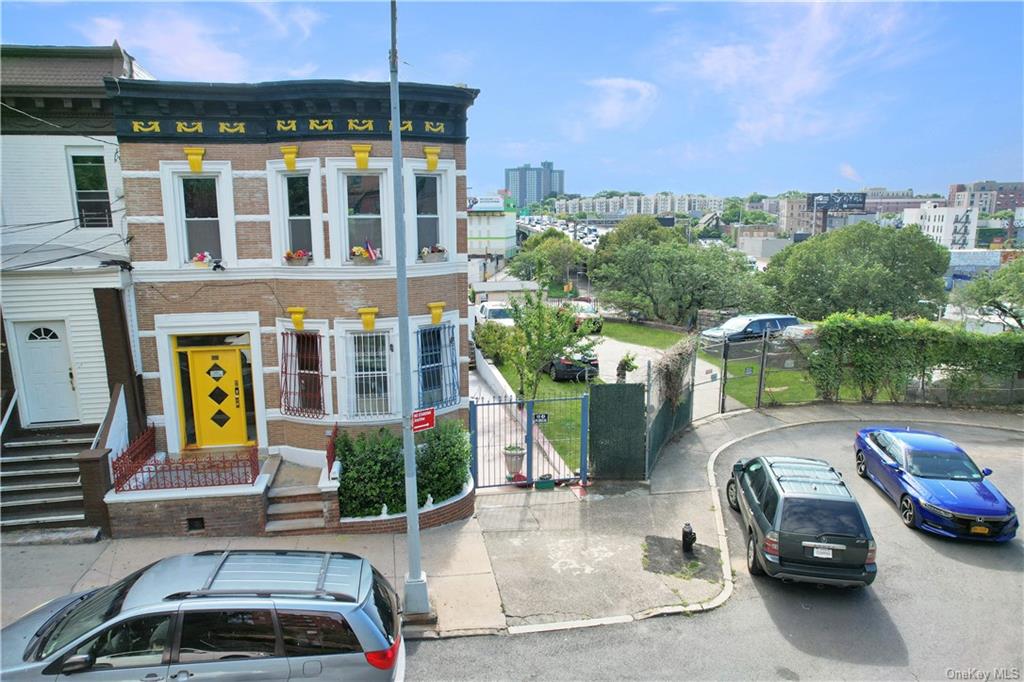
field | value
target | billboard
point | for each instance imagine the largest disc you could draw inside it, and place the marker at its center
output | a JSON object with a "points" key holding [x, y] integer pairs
{"points": [[836, 201]]}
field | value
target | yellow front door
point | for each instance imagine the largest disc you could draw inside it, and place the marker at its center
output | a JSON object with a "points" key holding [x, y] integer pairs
{"points": [[218, 400]]}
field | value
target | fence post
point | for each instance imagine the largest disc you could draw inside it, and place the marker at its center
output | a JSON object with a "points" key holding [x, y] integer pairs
{"points": [[693, 382], [647, 395], [529, 440], [760, 376], [584, 433], [473, 443]]}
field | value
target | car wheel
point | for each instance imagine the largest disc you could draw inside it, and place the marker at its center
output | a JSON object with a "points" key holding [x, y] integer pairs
{"points": [[732, 494], [753, 565], [862, 465], [907, 513], [553, 373]]}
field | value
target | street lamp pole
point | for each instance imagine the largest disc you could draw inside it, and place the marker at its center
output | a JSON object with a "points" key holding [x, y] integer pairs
{"points": [[417, 599]]}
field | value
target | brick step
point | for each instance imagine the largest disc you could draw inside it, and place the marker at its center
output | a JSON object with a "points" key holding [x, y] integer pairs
{"points": [[295, 493], [283, 508], [295, 526]]}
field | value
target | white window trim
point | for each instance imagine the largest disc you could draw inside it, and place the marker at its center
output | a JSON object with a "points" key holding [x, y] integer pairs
{"points": [[418, 322], [171, 174], [278, 201], [176, 324], [344, 330], [322, 327], [446, 212], [84, 150], [337, 206]]}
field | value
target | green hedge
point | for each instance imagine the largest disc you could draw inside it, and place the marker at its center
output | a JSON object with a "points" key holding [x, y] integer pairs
{"points": [[878, 356], [373, 472]]}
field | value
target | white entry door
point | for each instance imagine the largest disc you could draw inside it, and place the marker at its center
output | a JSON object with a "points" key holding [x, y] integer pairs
{"points": [[48, 382]]}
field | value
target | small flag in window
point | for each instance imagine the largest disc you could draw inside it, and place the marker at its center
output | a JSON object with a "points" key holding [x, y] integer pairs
{"points": [[371, 252]]}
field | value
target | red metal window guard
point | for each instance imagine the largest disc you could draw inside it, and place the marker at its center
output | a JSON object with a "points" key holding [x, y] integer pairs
{"points": [[302, 380]]}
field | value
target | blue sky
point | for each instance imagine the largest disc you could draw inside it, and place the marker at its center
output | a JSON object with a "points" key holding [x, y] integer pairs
{"points": [[714, 98]]}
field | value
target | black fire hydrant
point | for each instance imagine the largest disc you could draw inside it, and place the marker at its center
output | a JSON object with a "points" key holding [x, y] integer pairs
{"points": [[689, 538]]}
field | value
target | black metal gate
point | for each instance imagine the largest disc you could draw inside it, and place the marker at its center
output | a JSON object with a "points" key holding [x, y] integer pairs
{"points": [[523, 441]]}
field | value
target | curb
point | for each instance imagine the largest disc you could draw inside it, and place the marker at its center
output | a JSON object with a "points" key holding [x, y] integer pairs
{"points": [[723, 544]]}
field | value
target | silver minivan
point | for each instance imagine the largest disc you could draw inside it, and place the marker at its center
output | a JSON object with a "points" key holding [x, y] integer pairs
{"points": [[224, 615]]}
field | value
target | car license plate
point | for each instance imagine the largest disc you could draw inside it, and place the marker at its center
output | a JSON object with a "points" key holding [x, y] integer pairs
{"points": [[822, 552], [979, 530]]}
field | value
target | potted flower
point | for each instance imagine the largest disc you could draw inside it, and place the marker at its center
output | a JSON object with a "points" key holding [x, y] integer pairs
{"points": [[297, 257], [434, 254], [203, 259], [514, 455], [364, 255]]}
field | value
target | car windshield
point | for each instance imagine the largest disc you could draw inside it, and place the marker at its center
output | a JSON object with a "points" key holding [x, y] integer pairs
{"points": [[498, 314], [949, 465], [735, 324], [95, 610], [584, 308], [821, 517]]}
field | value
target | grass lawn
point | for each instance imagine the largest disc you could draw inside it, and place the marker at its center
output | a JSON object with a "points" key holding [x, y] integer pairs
{"points": [[563, 427], [640, 335]]}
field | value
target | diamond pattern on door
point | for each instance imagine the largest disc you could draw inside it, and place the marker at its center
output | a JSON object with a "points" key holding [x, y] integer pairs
{"points": [[218, 395], [220, 419], [215, 371]]}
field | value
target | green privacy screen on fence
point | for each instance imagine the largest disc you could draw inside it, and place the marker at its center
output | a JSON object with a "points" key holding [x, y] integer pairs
{"points": [[669, 420], [618, 427]]}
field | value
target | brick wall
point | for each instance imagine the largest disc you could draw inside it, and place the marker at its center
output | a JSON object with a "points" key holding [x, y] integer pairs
{"points": [[223, 516], [460, 509]]}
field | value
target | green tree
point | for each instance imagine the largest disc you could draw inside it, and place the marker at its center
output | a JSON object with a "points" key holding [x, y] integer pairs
{"points": [[732, 211], [758, 218], [544, 333], [547, 257], [670, 281], [756, 197], [862, 268], [1001, 292]]}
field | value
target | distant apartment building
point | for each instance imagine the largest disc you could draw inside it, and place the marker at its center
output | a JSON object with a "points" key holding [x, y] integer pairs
{"points": [[491, 228], [530, 184], [885, 193], [987, 196], [794, 216], [664, 202], [954, 228], [652, 204]]}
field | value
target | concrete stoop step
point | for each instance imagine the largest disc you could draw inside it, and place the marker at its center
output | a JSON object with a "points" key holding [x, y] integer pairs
{"points": [[39, 481], [294, 509]]}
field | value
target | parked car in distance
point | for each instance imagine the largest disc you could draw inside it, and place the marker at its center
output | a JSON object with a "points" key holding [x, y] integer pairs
{"points": [[229, 615], [746, 327], [573, 368], [935, 484], [801, 521], [584, 311], [494, 311], [799, 332]]}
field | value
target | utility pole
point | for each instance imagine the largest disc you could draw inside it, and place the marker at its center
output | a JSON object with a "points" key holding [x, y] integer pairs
{"points": [[417, 600]]}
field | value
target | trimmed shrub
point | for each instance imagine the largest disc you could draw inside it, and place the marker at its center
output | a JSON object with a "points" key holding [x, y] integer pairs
{"points": [[494, 340], [373, 470]]}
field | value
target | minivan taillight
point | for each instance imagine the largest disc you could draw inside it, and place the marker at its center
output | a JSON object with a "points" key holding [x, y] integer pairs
{"points": [[771, 544], [871, 552], [385, 659]]}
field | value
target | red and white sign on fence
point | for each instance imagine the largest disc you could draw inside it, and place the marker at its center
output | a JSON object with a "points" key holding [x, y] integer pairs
{"points": [[422, 420]]}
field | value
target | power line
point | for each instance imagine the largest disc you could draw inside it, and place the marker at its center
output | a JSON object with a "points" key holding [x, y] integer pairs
{"points": [[17, 228], [30, 250], [59, 127], [63, 258]]}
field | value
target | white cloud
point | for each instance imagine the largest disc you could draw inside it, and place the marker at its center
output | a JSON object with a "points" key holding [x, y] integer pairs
{"points": [[783, 75], [371, 73], [849, 172], [171, 45], [620, 100], [664, 8], [284, 19], [304, 71]]}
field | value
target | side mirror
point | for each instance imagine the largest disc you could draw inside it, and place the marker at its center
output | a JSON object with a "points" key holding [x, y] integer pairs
{"points": [[77, 663], [986, 472]]}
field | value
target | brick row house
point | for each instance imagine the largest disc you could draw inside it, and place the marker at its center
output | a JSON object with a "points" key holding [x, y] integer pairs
{"points": [[64, 287], [262, 238]]}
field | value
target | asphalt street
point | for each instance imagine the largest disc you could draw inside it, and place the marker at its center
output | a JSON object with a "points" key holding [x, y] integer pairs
{"points": [[938, 610]]}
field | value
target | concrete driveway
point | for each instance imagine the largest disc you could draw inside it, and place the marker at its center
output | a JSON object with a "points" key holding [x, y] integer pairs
{"points": [[610, 351]]}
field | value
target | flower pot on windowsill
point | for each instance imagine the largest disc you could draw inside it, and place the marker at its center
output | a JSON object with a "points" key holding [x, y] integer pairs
{"points": [[200, 264], [363, 261], [434, 257], [295, 262]]}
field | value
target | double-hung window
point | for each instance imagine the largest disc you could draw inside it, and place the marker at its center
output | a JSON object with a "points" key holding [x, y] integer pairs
{"points": [[428, 220], [371, 381], [92, 201], [363, 223], [300, 231], [302, 378], [438, 366], [202, 222]]}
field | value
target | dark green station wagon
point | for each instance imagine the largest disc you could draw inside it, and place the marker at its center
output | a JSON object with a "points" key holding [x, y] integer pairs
{"points": [[801, 521]]}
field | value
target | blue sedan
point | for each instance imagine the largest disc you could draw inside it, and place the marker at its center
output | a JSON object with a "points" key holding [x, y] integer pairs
{"points": [[937, 487]]}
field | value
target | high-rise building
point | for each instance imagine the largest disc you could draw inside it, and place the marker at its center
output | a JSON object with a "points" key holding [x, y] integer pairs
{"points": [[987, 196], [954, 228], [530, 184]]}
